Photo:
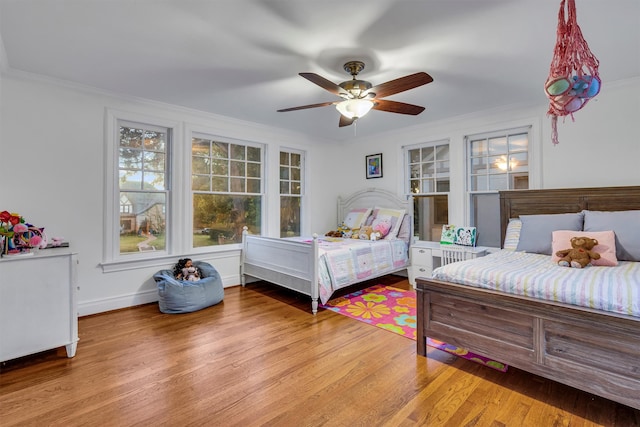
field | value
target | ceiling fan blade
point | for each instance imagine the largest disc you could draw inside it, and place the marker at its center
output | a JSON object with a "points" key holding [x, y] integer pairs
{"points": [[345, 121], [397, 107], [304, 107], [400, 85], [324, 83]]}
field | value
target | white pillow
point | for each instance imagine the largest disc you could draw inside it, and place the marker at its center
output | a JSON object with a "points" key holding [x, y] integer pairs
{"points": [[356, 217]]}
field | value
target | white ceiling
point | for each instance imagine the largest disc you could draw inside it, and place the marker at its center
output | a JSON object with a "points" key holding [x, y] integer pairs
{"points": [[241, 58]]}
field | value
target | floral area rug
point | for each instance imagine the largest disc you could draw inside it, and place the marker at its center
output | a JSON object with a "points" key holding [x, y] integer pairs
{"points": [[394, 309]]}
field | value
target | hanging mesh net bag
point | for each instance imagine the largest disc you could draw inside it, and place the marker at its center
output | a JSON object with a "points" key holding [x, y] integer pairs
{"points": [[573, 76]]}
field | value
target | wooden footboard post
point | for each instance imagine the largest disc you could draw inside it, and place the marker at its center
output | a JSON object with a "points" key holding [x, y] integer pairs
{"points": [[245, 231], [421, 340]]}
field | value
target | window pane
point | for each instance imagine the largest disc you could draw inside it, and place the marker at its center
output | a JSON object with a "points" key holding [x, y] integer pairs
{"points": [[519, 162], [237, 152], [253, 186], [427, 186], [130, 137], [498, 182], [414, 156], [430, 214], [200, 165], [478, 148], [284, 158], [485, 216], [428, 170], [200, 183], [442, 152], [218, 219], [428, 154], [296, 188], [415, 171], [253, 154], [479, 183], [154, 181], [237, 185], [219, 183], [142, 222], [253, 170], [295, 174], [497, 145], [289, 216], [130, 159], [519, 142], [153, 161], [284, 187], [220, 150], [200, 147], [295, 160], [219, 166], [284, 172], [414, 185], [237, 168], [154, 140]]}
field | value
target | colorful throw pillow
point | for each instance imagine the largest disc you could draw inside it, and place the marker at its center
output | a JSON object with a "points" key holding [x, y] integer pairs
{"points": [[391, 216], [606, 246], [356, 218], [512, 236]]}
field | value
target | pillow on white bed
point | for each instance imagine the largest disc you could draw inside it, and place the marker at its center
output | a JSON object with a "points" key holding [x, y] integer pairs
{"points": [[606, 246], [535, 235], [512, 236], [404, 233], [626, 225], [393, 216], [357, 217]]}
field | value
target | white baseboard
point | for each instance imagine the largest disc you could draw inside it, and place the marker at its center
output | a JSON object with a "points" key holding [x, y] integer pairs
{"points": [[86, 308]]}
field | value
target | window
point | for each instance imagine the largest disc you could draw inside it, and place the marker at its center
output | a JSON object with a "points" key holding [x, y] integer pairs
{"points": [[143, 186], [290, 193], [428, 168], [496, 161], [226, 183]]}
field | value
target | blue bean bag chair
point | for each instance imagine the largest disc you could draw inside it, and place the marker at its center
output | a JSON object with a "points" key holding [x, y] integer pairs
{"points": [[182, 296]]}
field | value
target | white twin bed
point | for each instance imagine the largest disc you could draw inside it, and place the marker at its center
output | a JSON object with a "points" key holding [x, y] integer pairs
{"points": [[317, 266]]}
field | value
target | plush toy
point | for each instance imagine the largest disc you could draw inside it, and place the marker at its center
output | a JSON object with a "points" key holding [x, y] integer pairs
{"points": [[190, 274], [334, 233], [382, 228], [185, 270], [581, 253], [365, 232]]}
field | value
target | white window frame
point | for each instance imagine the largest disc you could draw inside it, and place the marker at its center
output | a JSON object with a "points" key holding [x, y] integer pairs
{"points": [[303, 181], [188, 202]]}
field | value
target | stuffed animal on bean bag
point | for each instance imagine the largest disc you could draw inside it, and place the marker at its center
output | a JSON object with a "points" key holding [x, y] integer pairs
{"points": [[580, 254], [185, 270]]}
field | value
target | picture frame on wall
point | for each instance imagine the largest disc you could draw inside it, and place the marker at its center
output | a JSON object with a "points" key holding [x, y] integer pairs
{"points": [[374, 165]]}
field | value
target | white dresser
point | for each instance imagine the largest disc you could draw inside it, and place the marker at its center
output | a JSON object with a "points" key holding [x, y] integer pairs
{"points": [[38, 305], [425, 256]]}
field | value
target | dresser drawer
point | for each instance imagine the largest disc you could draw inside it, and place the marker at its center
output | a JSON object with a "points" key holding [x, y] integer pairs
{"points": [[420, 256]]}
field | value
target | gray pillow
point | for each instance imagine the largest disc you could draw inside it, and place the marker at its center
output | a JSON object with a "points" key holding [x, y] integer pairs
{"points": [[626, 226], [535, 235]]}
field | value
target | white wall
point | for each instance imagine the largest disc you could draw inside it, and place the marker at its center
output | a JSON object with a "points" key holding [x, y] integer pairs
{"points": [[600, 148], [52, 140], [52, 164]]}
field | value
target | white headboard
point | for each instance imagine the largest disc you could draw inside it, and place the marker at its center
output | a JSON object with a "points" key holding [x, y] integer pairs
{"points": [[372, 197]]}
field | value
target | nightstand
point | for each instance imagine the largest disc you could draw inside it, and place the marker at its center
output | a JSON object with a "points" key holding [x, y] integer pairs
{"points": [[425, 256]]}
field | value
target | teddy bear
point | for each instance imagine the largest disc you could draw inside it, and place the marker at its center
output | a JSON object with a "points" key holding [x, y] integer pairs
{"points": [[581, 253], [365, 232], [334, 233]]}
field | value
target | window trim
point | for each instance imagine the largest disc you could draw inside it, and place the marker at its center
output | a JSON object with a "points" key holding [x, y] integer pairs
{"points": [[112, 260]]}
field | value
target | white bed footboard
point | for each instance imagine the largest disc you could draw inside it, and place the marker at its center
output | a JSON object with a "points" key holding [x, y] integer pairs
{"points": [[287, 263]]}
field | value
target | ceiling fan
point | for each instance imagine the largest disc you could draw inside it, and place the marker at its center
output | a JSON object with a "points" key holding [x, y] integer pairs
{"points": [[360, 96]]}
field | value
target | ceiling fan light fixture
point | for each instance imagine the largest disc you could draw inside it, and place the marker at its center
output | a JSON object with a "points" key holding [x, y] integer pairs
{"points": [[354, 108]]}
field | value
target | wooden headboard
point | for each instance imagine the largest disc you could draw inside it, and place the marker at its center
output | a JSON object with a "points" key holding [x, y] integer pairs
{"points": [[565, 200]]}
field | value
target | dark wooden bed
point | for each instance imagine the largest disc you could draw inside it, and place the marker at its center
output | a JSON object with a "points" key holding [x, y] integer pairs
{"points": [[588, 349]]}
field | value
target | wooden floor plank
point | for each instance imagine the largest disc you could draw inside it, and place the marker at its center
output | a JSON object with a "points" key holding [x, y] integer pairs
{"points": [[261, 358]]}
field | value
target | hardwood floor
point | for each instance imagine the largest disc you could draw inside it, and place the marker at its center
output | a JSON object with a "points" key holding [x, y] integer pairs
{"points": [[261, 358]]}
